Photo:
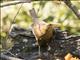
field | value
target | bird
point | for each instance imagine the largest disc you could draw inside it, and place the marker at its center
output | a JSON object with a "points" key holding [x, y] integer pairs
{"points": [[42, 31]]}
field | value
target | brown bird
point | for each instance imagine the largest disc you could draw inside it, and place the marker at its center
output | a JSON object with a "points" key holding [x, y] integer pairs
{"points": [[42, 31]]}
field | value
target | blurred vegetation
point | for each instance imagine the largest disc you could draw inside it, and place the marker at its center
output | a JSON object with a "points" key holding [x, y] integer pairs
{"points": [[51, 12]]}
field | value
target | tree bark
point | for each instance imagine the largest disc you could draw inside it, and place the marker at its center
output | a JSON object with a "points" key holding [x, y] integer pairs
{"points": [[72, 7]]}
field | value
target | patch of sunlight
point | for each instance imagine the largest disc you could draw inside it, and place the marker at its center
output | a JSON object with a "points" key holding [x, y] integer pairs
{"points": [[65, 22], [46, 10], [0, 46], [3, 34], [72, 23], [23, 24], [7, 10]]}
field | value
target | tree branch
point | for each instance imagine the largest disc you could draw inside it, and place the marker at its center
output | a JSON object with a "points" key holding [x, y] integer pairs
{"points": [[14, 3], [2, 56], [72, 7], [10, 3]]}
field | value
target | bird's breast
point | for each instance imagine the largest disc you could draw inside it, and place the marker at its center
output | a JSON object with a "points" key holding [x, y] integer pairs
{"points": [[39, 29]]}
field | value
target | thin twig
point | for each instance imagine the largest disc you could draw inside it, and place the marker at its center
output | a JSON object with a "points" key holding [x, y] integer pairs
{"points": [[13, 21], [72, 7]]}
